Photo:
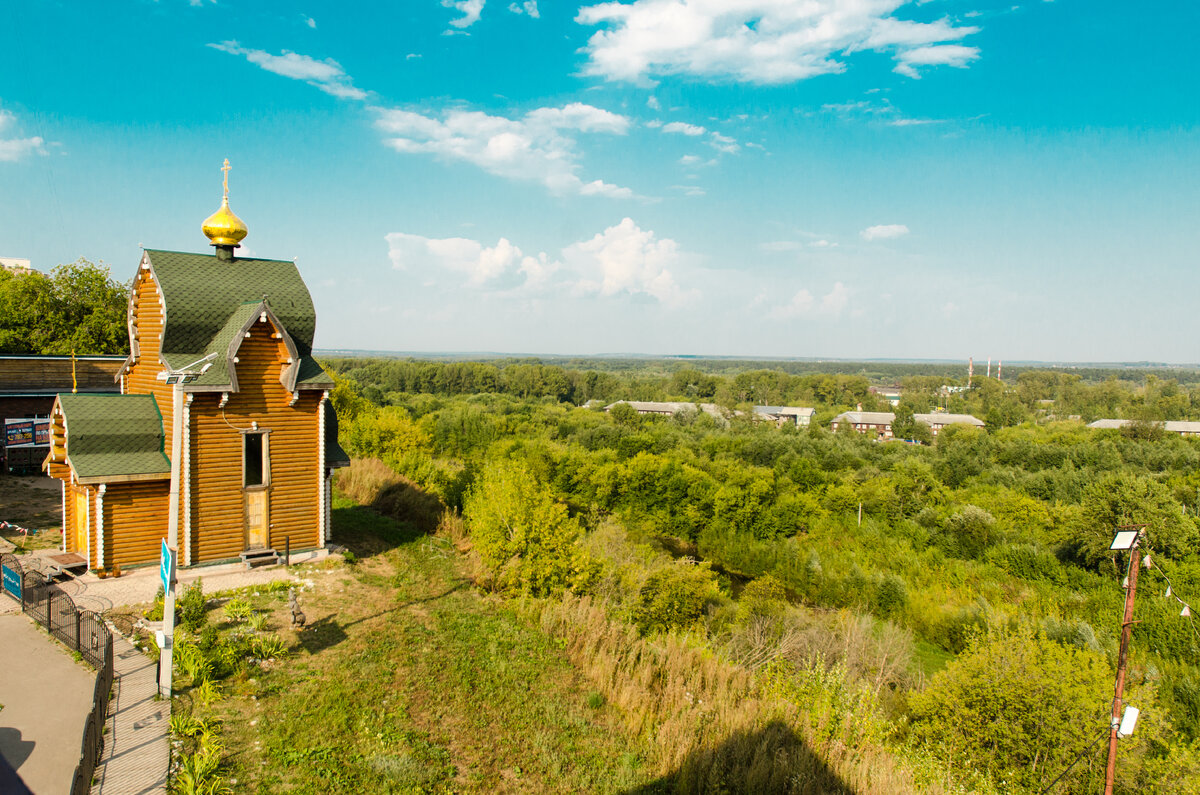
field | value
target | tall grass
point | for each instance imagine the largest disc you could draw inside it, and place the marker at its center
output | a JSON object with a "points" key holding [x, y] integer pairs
{"points": [[711, 723]]}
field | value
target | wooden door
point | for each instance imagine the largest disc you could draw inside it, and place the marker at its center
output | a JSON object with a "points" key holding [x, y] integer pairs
{"points": [[81, 522], [257, 520]]}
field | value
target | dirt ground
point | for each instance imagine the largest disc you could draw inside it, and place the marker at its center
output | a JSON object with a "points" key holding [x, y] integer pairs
{"points": [[33, 502]]}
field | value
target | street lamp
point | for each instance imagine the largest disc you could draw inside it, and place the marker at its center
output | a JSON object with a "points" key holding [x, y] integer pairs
{"points": [[176, 378]]}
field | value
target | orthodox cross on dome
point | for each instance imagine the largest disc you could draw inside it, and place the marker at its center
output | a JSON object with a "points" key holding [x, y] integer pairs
{"points": [[226, 168]]}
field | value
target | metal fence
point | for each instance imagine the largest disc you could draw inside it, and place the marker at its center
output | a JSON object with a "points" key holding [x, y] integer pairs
{"points": [[81, 631]]}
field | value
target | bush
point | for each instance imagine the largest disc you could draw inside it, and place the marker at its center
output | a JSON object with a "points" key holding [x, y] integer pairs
{"points": [[674, 597], [525, 539], [890, 595], [192, 608], [1016, 706]]}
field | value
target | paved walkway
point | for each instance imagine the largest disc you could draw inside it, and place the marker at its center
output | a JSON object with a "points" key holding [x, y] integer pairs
{"points": [[46, 696], [136, 748]]}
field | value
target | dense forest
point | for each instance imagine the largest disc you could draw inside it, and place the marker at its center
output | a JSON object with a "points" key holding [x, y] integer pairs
{"points": [[942, 616]]}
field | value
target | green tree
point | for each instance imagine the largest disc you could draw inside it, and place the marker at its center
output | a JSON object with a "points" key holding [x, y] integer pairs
{"points": [[1123, 498], [674, 597], [1018, 707], [525, 538], [902, 425], [78, 308]]}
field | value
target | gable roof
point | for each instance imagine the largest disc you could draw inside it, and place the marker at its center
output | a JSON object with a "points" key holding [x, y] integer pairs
{"points": [[210, 301], [945, 418], [866, 417], [114, 437]]}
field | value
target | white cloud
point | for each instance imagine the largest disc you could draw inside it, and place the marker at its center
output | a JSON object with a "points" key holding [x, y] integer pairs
{"points": [[955, 55], [757, 41], [326, 75], [691, 190], [686, 129], [724, 143], [835, 300], [621, 260], [470, 10], [312, 23], [832, 304], [483, 265], [884, 231], [13, 149], [529, 7], [652, 103], [624, 259], [535, 147]]}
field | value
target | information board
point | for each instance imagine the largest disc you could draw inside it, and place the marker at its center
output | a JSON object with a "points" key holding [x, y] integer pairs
{"points": [[26, 432]]}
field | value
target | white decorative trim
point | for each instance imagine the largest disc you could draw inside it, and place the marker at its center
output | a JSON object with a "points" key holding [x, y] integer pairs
{"points": [[100, 525], [64, 511], [323, 510], [87, 526], [187, 480]]}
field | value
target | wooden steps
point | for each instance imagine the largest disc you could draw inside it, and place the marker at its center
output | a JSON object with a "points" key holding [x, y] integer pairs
{"points": [[259, 557]]}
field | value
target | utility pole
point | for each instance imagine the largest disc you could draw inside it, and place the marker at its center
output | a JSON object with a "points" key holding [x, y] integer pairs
{"points": [[1135, 554]]}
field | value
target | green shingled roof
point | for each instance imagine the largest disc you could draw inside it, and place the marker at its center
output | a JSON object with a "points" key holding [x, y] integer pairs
{"points": [[114, 436], [209, 300]]}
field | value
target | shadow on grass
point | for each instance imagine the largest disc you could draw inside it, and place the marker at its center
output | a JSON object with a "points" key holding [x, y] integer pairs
{"points": [[773, 759], [321, 634], [326, 632], [367, 533]]}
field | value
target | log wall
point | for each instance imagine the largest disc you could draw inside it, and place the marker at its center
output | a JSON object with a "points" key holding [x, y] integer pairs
{"points": [[218, 498], [146, 316], [135, 521]]}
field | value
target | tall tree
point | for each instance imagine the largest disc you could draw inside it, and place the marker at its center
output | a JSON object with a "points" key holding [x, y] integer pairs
{"points": [[78, 307]]}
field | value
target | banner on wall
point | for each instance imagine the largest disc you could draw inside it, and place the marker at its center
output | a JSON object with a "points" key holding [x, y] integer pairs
{"points": [[26, 432]]}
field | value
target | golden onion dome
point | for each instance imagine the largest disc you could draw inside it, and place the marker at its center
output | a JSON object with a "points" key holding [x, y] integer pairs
{"points": [[223, 228]]}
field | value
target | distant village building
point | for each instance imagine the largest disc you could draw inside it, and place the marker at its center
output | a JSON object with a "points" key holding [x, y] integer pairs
{"points": [[15, 265], [667, 409], [889, 393], [940, 419], [798, 416], [1181, 427], [258, 436], [881, 421], [866, 421]]}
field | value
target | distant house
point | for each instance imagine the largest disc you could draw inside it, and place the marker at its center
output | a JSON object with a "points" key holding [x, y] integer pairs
{"points": [[881, 421], [940, 419], [798, 416], [1181, 427], [667, 409], [13, 265], [889, 393], [864, 421]]}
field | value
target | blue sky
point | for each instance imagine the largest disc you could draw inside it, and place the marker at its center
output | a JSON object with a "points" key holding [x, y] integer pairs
{"points": [[830, 178]]}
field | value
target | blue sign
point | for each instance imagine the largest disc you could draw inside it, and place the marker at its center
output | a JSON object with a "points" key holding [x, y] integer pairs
{"points": [[166, 566], [12, 581]]}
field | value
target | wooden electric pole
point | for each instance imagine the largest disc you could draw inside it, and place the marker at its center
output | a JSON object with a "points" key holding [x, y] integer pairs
{"points": [[1126, 629]]}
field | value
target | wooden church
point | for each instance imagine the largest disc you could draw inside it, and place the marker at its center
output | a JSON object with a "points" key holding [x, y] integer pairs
{"points": [[221, 345]]}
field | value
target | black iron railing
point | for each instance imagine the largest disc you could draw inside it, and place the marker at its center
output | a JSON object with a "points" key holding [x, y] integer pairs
{"points": [[80, 631]]}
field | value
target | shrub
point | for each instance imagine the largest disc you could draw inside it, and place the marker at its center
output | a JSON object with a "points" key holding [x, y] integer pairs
{"points": [[1016, 705], [525, 539], [674, 597], [890, 595], [192, 608]]}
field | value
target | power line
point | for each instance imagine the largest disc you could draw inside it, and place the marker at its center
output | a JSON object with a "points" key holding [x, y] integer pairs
{"points": [[1079, 756]]}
